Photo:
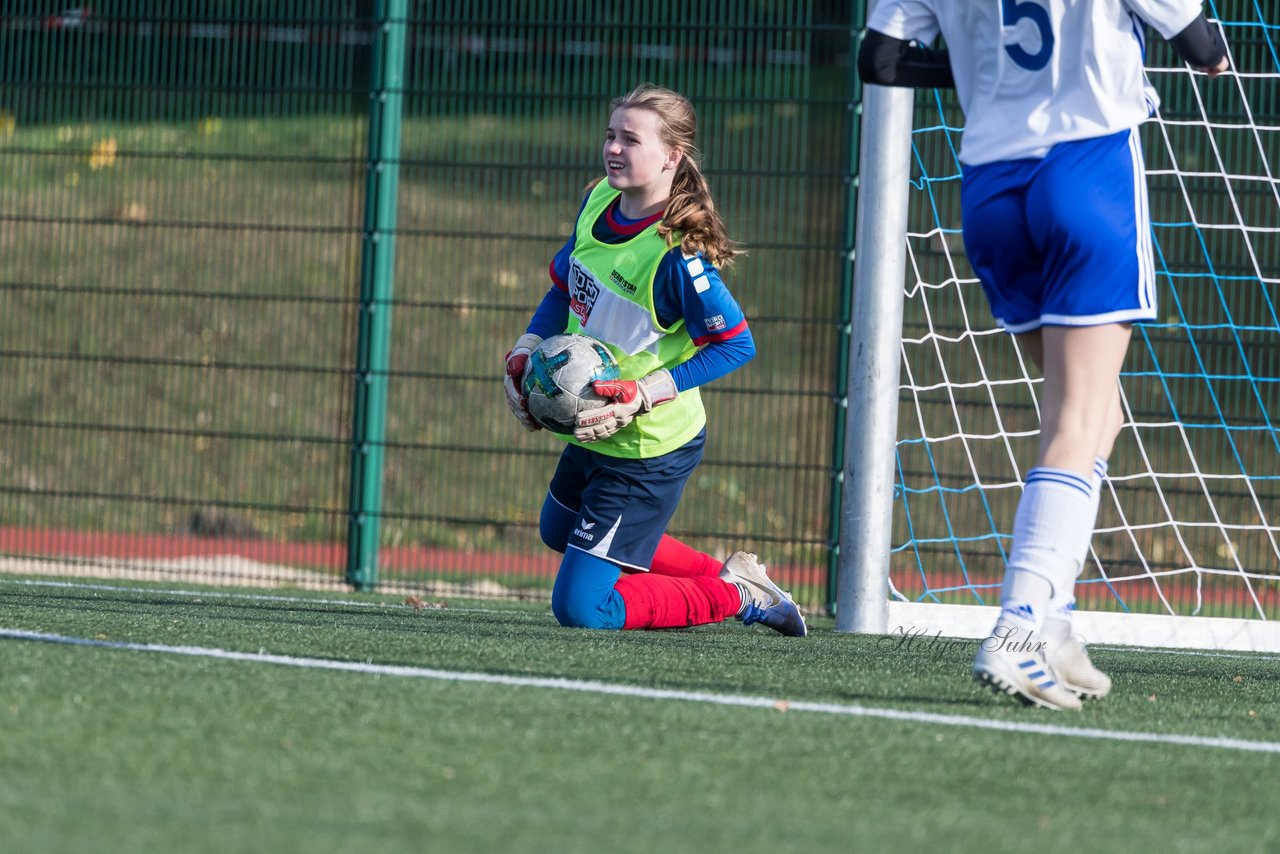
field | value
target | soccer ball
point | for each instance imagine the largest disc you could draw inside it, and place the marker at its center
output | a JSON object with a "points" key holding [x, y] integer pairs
{"points": [[557, 382]]}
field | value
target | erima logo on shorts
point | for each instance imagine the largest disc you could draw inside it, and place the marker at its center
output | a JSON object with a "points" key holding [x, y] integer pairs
{"points": [[578, 532]]}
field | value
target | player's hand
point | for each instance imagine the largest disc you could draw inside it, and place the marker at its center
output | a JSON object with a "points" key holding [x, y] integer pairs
{"points": [[513, 380], [629, 398]]}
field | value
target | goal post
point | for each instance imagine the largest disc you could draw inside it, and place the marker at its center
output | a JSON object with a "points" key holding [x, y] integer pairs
{"points": [[1187, 546], [874, 358]]}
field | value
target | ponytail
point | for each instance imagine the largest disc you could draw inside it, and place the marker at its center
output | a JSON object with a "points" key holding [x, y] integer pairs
{"points": [[691, 217]]}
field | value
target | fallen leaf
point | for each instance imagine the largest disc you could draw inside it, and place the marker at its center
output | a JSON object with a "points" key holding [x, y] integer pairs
{"points": [[782, 705], [133, 212], [103, 154]]}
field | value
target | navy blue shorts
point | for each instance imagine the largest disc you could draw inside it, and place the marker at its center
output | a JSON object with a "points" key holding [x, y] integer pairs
{"points": [[1064, 240], [623, 506]]}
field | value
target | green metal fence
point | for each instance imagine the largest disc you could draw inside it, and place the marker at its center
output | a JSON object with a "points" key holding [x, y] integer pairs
{"points": [[258, 274], [259, 267]]}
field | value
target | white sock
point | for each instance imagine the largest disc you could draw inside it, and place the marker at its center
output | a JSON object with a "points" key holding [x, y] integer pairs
{"points": [[1053, 518], [1063, 602]]}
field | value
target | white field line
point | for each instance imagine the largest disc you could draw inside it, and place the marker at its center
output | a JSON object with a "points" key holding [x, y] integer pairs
{"points": [[1257, 656], [587, 687]]}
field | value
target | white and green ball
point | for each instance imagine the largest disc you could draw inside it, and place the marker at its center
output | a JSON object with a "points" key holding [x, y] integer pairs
{"points": [[557, 381]]}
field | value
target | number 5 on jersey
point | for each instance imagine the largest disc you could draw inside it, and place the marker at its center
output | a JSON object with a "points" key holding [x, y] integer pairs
{"points": [[1012, 12]]}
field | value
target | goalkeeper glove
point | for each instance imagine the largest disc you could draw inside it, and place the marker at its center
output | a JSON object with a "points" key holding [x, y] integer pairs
{"points": [[513, 380], [630, 397]]}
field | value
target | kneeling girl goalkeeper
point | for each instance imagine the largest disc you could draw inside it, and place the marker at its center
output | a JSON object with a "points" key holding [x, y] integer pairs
{"points": [[639, 273]]}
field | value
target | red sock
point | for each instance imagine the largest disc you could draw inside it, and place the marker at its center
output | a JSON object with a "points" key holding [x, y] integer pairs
{"points": [[674, 558], [662, 602]]}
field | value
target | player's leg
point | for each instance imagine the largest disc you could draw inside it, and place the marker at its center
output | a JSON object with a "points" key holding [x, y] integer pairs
{"points": [[1063, 603], [564, 498], [656, 600], [1049, 523], [1056, 515], [676, 558], [584, 596], [1066, 652], [664, 602], [556, 523], [1006, 256], [1085, 209], [1081, 376], [1059, 506], [625, 505], [1032, 344], [560, 515], [672, 557], [763, 601], [1099, 271], [592, 592]]}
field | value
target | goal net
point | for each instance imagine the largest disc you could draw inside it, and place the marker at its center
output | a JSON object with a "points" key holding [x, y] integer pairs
{"points": [[1188, 525]]}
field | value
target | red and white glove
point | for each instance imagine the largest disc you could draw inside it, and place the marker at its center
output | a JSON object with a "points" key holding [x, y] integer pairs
{"points": [[630, 397], [513, 380]]}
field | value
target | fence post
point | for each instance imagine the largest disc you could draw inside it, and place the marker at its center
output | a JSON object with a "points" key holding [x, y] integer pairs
{"points": [[866, 524], [377, 268]]}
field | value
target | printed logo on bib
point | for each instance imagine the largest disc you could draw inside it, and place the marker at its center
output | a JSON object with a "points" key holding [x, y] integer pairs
{"points": [[583, 291], [622, 283]]}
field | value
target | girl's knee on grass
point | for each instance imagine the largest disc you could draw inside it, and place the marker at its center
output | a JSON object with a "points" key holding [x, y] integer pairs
{"points": [[584, 596]]}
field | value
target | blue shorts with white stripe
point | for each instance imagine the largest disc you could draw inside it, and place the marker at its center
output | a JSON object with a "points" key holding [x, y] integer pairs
{"points": [[1065, 239]]}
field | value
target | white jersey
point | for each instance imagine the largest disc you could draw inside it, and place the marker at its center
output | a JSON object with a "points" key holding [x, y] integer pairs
{"points": [[1033, 73]]}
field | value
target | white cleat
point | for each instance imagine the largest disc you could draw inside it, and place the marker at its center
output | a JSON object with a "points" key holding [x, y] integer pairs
{"points": [[1069, 659], [762, 600], [1020, 670]]}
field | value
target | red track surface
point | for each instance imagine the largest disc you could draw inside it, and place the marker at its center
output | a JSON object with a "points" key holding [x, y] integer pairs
{"points": [[327, 557]]}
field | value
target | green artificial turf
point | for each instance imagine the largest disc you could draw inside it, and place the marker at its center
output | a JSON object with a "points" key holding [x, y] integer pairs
{"points": [[110, 749]]}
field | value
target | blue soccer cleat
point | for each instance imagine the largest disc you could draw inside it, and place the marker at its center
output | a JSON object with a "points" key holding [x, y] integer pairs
{"points": [[762, 600]]}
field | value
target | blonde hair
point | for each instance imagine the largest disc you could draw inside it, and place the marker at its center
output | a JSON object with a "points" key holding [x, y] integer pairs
{"points": [[690, 218]]}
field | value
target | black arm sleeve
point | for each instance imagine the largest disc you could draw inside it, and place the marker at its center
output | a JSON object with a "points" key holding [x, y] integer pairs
{"points": [[898, 62], [1199, 44]]}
